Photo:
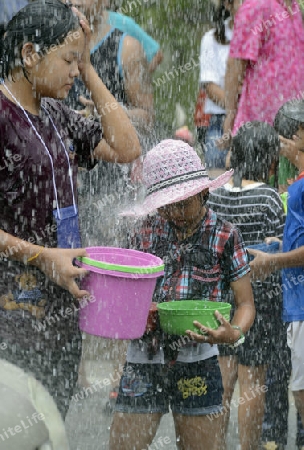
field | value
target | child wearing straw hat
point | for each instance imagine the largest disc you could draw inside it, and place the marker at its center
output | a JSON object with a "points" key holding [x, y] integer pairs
{"points": [[204, 257]]}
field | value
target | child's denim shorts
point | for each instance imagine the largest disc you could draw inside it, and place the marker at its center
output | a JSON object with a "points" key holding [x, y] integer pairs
{"points": [[192, 389]]}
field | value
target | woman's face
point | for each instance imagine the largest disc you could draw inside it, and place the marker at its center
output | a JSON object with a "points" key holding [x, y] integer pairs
{"points": [[52, 75], [232, 6]]}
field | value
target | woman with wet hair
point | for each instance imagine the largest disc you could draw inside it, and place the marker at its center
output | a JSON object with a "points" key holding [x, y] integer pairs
{"points": [[42, 142], [257, 211], [121, 63]]}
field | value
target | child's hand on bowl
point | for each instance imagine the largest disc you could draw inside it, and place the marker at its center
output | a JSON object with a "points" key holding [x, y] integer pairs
{"points": [[224, 334]]}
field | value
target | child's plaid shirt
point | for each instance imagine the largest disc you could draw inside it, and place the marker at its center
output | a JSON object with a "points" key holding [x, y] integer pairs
{"points": [[200, 267]]}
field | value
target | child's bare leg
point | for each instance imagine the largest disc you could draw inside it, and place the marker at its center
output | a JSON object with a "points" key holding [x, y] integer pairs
{"points": [[133, 431], [251, 405], [299, 401], [198, 432], [229, 371]]}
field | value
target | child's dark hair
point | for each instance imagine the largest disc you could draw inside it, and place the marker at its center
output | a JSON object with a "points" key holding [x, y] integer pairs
{"points": [[255, 146], [218, 16], [43, 23], [283, 123]]}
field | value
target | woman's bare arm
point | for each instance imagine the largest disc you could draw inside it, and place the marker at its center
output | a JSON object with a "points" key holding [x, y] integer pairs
{"points": [[57, 264], [215, 93]]}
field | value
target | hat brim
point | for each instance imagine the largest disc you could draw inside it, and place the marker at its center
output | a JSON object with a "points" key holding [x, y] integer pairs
{"points": [[176, 193]]}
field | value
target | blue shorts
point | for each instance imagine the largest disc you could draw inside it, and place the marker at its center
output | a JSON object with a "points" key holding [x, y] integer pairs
{"points": [[215, 158], [192, 389]]}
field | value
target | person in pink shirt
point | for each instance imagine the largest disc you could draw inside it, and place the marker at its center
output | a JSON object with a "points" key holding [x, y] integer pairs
{"points": [[266, 62]]}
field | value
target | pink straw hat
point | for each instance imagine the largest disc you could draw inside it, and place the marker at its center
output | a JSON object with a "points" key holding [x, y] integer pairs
{"points": [[172, 171]]}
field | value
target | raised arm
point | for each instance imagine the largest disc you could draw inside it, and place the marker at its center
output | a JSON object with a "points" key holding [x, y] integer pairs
{"points": [[235, 73], [120, 142], [138, 86]]}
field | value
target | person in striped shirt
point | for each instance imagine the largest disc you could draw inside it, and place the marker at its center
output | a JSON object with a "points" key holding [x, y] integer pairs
{"points": [[257, 210]]}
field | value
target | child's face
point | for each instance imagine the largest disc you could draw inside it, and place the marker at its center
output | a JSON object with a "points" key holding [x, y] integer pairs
{"points": [[183, 213], [299, 138], [53, 75]]}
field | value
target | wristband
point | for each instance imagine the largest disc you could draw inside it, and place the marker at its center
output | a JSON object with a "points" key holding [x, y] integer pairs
{"points": [[35, 256], [241, 339]]}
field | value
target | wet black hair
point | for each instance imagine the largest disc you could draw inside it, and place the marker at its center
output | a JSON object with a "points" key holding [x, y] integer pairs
{"points": [[284, 123], [218, 16], [254, 148], [41, 22]]}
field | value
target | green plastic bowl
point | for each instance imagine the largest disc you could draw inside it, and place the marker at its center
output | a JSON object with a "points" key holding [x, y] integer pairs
{"points": [[177, 316]]}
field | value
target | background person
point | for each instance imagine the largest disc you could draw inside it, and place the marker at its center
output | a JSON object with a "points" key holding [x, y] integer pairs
{"points": [[121, 63], [288, 129], [267, 59], [42, 142], [151, 48], [256, 209], [291, 259], [213, 58]]}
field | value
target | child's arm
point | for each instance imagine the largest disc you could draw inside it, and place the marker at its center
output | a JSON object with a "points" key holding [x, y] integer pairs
{"points": [[229, 333], [292, 152], [271, 239], [264, 264]]}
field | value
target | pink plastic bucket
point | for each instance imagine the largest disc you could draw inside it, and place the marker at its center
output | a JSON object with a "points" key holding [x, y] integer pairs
{"points": [[121, 299]]}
